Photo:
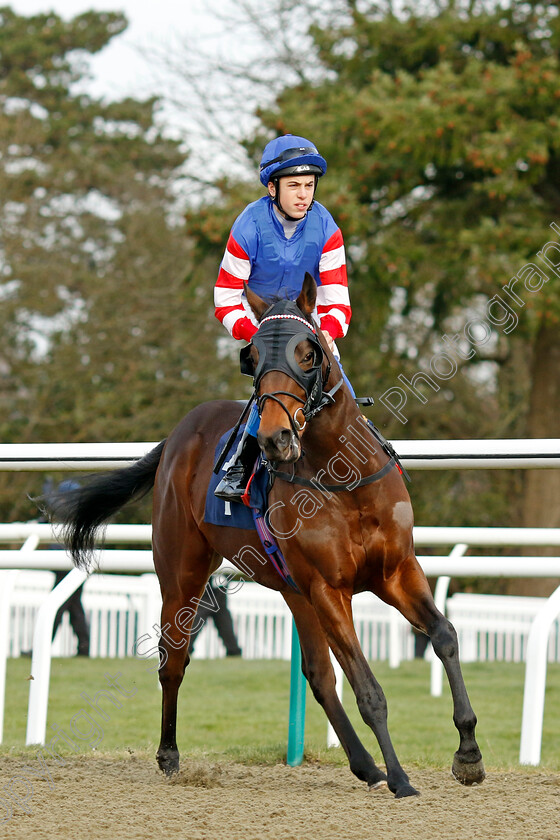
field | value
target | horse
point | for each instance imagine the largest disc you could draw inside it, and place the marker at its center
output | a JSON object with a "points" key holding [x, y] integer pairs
{"points": [[338, 538]]}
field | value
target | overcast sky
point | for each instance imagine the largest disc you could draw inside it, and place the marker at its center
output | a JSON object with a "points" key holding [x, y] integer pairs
{"points": [[119, 69], [122, 68]]}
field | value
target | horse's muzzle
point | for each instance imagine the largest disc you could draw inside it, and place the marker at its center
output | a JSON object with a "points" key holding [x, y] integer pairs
{"points": [[282, 445]]}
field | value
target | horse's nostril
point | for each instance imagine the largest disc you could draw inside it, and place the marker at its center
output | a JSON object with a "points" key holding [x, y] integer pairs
{"points": [[278, 441], [282, 439]]}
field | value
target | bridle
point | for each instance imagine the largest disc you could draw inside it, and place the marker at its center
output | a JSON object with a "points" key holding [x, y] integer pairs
{"points": [[294, 423], [280, 322], [270, 341], [327, 398]]}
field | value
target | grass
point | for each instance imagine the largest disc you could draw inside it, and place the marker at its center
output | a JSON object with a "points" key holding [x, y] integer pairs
{"points": [[234, 709]]}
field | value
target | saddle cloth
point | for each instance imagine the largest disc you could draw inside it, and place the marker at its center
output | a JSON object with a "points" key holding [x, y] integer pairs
{"points": [[252, 514], [218, 511]]}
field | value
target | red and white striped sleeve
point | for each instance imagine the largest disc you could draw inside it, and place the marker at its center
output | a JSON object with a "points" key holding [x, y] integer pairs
{"points": [[228, 291], [333, 301]]}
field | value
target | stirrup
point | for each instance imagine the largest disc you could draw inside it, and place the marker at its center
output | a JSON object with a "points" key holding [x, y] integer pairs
{"points": [[232, 486]]}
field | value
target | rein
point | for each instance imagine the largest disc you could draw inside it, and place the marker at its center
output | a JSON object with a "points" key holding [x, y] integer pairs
{"points": [[292, 478]]}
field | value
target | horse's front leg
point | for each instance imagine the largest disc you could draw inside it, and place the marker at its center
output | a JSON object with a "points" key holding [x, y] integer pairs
{"points": [[318, 671], [334, 611], [409, 592]]}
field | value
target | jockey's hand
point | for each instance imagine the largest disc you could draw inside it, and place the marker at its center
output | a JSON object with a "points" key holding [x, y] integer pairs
{"points": [[329, 339]]}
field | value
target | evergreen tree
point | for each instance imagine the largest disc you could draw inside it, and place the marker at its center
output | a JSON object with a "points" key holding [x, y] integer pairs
{"points": [[105, 334], [440, 127]]}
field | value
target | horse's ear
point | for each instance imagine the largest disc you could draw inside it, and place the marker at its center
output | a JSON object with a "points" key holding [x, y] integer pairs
{"points": [[257, 304], [308, 295]]}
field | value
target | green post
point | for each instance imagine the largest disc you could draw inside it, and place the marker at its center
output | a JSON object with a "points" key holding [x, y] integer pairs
{"points": [[298, 685]]}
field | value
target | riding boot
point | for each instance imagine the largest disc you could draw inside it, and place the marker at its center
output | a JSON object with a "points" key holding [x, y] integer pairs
{"points": [[234, 483]]}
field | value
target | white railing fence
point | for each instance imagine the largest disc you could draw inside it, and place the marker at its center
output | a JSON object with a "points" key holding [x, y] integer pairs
{"points": [[262, 619], [117, 607], [495, 628], [415, 454], [120, 608]]}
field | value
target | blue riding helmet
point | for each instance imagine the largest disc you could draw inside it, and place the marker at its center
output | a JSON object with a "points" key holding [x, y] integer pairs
{"points": [[290, 155]]}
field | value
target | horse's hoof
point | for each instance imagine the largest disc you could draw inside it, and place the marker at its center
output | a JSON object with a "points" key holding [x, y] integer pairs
{"points": [[406, 790], [168, 762], [375, 779], [468, 773], [380, 785]]}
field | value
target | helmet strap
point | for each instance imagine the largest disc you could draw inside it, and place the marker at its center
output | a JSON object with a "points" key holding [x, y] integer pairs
{"points": [[276, 199]]}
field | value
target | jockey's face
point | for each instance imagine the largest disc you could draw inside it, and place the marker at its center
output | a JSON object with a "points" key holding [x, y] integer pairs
{"points": [[296, 194]]}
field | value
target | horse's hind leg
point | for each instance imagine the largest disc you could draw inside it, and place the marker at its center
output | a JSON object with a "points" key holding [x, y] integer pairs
{"points": [[182, 580], [318, 670], [409, 592]]}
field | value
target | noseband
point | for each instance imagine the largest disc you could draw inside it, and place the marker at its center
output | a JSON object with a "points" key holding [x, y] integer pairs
{"points": [[295, 424]]}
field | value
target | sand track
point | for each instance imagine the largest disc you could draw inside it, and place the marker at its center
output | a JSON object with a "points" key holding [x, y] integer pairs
{"points": [[98, 797]]}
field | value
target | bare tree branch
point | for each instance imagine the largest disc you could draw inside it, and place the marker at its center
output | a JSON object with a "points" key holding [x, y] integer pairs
{"points": [[214, 85]]}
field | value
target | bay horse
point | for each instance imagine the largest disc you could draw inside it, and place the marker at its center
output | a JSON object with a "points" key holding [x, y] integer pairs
{"points": [[337, 538]]}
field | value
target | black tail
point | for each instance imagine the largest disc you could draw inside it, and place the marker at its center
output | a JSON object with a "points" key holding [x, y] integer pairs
{"points": [[83, 511]]}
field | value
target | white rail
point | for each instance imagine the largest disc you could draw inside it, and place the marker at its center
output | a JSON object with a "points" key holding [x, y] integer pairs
{"points": [[7, 582], [15, 531], [535, 681], [415, 454], [41, 660], [23, 457], [473, 454]]}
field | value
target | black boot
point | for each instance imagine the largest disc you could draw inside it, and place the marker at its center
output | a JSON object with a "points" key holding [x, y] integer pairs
{"points": [[234, 483]]}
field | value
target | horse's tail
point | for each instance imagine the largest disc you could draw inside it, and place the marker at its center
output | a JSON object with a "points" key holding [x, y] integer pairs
{"points": [[84, 511]]}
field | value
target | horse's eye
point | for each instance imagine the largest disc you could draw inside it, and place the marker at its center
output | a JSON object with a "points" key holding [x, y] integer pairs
{"points": [[309, 357]]}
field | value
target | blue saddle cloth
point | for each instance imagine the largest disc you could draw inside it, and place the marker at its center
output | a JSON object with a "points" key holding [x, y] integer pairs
{"points": [[252, 517]]}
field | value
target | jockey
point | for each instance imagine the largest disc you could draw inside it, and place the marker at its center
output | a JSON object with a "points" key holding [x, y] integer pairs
{"points": [[272, 244]]}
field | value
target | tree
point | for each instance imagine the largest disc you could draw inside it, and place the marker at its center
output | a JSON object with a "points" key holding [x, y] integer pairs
{"points": [[450, 124], [105, 334], [440, 126]]}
